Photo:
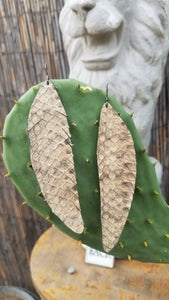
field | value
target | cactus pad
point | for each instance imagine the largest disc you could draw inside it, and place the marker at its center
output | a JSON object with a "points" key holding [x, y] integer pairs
{"points": [[56, 148]]}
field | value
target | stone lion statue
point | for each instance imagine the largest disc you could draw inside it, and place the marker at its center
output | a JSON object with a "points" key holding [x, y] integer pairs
{"points": [[121, 43]]}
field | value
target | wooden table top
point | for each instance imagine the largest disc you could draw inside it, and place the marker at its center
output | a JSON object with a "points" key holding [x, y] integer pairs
{"points": [[55, 252]]}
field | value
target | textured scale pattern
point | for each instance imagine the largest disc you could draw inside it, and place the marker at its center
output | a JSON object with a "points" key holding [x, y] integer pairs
{"points": [[117, 173], [52, 158]]}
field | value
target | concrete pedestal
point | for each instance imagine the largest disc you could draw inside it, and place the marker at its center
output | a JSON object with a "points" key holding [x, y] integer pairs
{"points": [[55, 252]]}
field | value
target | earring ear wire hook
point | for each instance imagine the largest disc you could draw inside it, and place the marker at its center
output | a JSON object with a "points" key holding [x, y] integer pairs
{"points": [[47, 75], [107, 95]]}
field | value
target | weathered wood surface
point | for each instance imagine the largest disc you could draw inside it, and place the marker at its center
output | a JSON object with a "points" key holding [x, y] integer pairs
{"points": [[29, 38], [129, 280], [160, 133]]}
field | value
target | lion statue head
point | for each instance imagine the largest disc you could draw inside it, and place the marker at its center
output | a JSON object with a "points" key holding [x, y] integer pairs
{"points": [[121, 43]]}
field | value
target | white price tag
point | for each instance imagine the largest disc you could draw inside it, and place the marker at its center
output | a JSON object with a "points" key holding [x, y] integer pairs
{"points": [[98, 258]]}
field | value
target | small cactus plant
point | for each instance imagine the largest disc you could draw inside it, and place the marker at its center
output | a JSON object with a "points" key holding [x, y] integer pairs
{"points": [[80, 163]]}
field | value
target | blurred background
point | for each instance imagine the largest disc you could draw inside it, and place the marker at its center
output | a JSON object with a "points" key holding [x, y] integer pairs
{"points": [[30, 38]]}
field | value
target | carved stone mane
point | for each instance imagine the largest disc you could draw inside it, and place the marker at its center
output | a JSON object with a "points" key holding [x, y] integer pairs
{"points": [[125, 45]]}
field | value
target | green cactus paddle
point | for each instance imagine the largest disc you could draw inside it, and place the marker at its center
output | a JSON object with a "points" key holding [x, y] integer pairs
{"points": [[145, 230]]}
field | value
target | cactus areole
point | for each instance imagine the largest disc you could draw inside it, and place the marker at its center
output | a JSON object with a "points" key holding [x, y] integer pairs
{"points": [[80, 163]]}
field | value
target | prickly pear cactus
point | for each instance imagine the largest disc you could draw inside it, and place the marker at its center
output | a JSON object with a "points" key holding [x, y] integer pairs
{"points": [[80, 163]]}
